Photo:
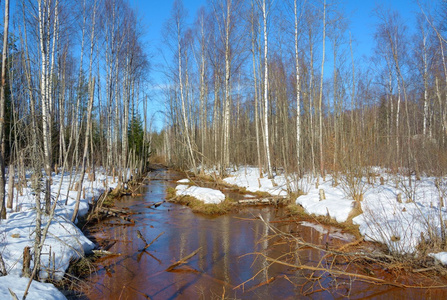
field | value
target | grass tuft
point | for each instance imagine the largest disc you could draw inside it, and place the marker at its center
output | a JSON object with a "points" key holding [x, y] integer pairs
{"points": [[200, 207]]}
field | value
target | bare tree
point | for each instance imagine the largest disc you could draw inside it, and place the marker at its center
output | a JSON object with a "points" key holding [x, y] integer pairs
{"points": [[2, 112], [265, 16]]}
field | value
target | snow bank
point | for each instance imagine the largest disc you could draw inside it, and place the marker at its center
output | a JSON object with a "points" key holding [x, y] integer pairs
{"points": [[38, 290], [399, 225], [208, 196], [64, 240], [336, 205], [249, 179]]}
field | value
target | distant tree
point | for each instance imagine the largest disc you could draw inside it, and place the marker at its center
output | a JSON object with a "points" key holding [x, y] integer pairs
{"points": [[136, 137]]}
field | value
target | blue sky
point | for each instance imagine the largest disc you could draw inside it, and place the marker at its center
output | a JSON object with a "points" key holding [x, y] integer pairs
{"points": [[154, 14]]}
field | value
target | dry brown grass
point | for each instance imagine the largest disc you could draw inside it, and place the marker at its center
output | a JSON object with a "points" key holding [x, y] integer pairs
{"points": [[197, 206]]}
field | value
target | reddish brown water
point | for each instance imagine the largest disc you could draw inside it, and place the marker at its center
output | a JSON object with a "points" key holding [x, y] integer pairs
{"points": [[225, 262]]}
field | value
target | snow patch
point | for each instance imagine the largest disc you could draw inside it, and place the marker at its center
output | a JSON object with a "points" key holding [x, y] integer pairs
{"points": [[441, 257], [249, 179], [64, 240], [38, 290], [207, 195]]}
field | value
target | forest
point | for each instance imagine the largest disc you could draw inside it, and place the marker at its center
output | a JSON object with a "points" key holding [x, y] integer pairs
{"points": [[275, 86], [73, 91]]}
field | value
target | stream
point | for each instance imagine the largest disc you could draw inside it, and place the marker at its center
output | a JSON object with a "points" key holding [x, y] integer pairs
{"points": [[230, 263]]}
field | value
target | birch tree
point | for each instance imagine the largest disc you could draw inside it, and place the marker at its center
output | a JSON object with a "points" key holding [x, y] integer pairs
{"points": [[265, 16], [320, 101], [91, 89], [2, 112], [47, 26], [298, 86]]}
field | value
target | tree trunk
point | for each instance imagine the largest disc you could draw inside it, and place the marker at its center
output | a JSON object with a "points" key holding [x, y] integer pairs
{"points": [[320, 102], [266, 102], [2, 112], [298, 93]]}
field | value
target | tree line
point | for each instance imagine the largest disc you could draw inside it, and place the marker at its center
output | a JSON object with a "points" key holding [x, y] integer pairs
{"points": [[277, 84]]}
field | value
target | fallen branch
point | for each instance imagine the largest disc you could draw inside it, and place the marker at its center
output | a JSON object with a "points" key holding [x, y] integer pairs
{"points": [[140, 236], [148, 245], [423, 270], [262, 201], [335, 272], [109, 246], [108, 212], [354, 243], [157, 204], [182, 261], [148, 253], [268, 281], [104, 252], [135, 290], [284, 221], [13, 295], [97, 205]]}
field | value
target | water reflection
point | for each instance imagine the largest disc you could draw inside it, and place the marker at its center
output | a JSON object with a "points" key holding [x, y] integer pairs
{"points": [[224, 262]]}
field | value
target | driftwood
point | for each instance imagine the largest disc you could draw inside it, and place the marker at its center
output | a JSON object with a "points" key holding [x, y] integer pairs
{"points": [[424, 270], [148, 245], [110, 212], [141, 237], [148, 253], [268, 281], [182, 261], [117, 211], [156, 204], [262, 201], [104, 252]]}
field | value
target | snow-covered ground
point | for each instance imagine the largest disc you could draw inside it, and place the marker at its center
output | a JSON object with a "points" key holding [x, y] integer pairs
{"points": [[207, 195], [396, 213], [64, 240], [38, 290], [249, 179]]}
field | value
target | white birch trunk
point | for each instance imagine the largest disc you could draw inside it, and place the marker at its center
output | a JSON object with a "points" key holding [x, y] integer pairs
{"points": [[266, 103], [298, 92], [255, 86], [227, 103], [425, 76], [320, 102], [182, 97], [2, 112]]}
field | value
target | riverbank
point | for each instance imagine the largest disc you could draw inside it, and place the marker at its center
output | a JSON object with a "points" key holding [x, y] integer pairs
{"points": [[64, 242], [255, 252], [406, 214]]}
